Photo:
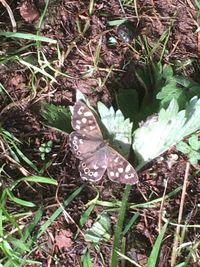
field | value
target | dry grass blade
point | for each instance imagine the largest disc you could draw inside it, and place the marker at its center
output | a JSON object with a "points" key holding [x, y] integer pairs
{"points": [[178, 228], [12, 161], [10, 13]]}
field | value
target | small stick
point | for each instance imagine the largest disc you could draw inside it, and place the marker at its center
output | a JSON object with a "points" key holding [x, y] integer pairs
{"points": [[10, 13], [178, 228]]}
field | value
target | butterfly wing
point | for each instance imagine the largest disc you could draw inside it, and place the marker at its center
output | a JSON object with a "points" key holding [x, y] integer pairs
{"points": [[93, 168], [87, 137], [119, 169], [84, 121], [87, 143], [83, 145]]}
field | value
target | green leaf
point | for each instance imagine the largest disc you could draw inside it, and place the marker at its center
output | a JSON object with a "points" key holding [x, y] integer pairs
{"points": [[154, 138], [184, 81], [19, 201], [156, 248], [57, 116], [86, 260], [194, 142], [25, 158], [32, 224], [193, 91], [183, 147], [36, 179], [182, 264], [167, 72], [42, 149], [194, 157], [171, 91], [28, 36], [128, 103], [130, 223], [100, 230], [116, 22], [85, 216], [18, 244], [119, 128]]}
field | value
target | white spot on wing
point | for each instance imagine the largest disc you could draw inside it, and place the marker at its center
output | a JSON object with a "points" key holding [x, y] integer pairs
{"points": [[120, 170], [88, 113], [95, 174], [112, 173], [95, 167], [80, 111], [84, 178], [77, 127], [92, 127], [116, 159], [84, 120], [128, 168], [128, 176]]}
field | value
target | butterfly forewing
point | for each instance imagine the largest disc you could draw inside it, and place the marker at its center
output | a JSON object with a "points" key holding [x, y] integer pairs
{"points": [[83, 145], [119, 169], [84, 121]]}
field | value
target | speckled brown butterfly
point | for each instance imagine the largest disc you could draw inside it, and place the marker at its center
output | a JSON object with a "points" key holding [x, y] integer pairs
{"points": [[95, 154]]}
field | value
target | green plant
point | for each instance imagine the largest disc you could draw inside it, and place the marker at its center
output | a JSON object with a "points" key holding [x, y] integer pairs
{"points": [[45, 148], [100, 230], [14, 246], [160, 86], [190, 148], [13, 146], [55, 115]]}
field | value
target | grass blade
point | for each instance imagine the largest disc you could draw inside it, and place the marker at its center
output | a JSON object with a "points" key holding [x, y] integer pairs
{"points": [[118, 230], [27, 36], [155, 251], [58, 211]]}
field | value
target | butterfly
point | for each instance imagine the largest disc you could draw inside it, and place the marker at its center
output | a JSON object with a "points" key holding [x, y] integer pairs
{"points": [[95, 154]]}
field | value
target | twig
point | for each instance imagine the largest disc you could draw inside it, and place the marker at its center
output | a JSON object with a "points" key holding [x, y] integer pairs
{"points": [[162, 207], [122, 8], [10, 13], [178, 228]]}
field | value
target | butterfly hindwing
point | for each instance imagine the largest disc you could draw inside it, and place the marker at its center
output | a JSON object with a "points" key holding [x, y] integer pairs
{"points": [[119, 169], [94, 167]]}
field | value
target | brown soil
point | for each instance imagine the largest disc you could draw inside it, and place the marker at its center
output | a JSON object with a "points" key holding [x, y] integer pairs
{"points": [[20, 115]]}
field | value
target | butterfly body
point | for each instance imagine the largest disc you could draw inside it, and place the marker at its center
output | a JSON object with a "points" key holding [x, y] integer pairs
{"points": [[95, 154]]}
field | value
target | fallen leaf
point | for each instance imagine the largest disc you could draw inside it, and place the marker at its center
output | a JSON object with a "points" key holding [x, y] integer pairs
{"points": [[63, 239], [29, 12]]}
